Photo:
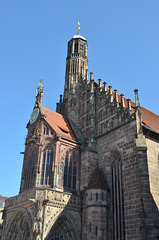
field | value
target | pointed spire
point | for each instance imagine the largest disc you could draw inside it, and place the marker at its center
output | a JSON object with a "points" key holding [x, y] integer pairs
{"points": [[40, 88], [92, 85], [87, 76], [122, 100], [60, 98], [78, 29], [91, 76], [100, 84], [57, 107], [136, 98], [39, 97], [105, 86], [110, 93], [129, 104], [116, 98], [138, 114]]}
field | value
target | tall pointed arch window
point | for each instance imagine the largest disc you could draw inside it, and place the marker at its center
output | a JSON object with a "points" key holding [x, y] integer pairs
{"points": [[70, 172], [30, 170], [117, 197], [76, 46], [46, 168], [66, 169]]}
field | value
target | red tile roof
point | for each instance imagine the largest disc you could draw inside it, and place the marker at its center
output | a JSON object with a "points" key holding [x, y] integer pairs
{"points": [[60, 124], [2, 198], [150, 119]]}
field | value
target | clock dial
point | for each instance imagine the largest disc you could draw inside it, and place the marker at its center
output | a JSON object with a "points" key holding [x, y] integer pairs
{"points": [[34, 115]]}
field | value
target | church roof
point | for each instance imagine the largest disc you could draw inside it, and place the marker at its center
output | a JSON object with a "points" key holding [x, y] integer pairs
{"points": [[60, 124], [149, 119], [79, 36], [97, 180]]}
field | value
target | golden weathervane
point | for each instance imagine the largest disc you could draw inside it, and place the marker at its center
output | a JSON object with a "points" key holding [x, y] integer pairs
{"points": [[78, 29]]}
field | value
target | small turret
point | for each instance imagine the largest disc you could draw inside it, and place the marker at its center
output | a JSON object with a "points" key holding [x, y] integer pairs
{"points": [[96, 205], [116, 98], [122, 100]]}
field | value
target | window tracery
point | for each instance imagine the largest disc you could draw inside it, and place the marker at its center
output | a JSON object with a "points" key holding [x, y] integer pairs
{"points": [[117, 196], [46, 168], [70, 172], [19, 228], [29, 170]]}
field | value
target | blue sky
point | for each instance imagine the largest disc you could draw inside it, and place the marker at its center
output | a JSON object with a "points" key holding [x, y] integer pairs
{"points": [[123, 50]]}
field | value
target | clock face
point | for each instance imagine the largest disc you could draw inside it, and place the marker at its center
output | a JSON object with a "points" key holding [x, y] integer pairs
{"points": [[34, 115]]}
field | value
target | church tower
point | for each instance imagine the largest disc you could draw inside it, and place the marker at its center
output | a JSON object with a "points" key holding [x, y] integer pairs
{"points": [[76, 74], [90, 169]]}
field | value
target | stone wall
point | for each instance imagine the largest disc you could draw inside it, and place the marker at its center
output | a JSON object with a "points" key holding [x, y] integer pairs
{"points": [[153, 168], [123, 140]]}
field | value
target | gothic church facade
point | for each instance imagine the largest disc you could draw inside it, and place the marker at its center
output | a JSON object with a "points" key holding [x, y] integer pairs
{"points": [[90, 169]]}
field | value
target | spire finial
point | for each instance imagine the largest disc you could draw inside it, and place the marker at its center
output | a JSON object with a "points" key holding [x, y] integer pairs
{"points": [[78, 29], [40, 88]]}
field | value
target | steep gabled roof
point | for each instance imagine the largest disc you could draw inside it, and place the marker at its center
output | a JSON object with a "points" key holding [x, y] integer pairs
{"points": [[150, 119], [97, 180], [60, 124]]}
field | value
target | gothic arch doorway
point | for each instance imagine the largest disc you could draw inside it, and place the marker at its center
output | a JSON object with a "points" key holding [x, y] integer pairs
{"points": [[19, 228], [62, 230]]}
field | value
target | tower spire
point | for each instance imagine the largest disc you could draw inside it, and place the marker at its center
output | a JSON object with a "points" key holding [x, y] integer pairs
{"points": [[39, 96], [40, 89], [78, 29]]}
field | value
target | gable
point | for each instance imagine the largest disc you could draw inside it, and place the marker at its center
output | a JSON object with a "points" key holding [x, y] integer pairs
{"points": [[60, 124]]}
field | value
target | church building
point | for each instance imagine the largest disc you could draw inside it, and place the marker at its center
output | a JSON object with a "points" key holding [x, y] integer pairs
{"points": [[90, 169]]}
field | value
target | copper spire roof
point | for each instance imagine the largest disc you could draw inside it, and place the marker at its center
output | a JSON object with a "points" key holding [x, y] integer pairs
{"points": [[97, 180]]}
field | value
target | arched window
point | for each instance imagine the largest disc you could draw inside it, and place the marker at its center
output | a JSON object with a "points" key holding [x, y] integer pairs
{"points": [[89, 226], [76, 47], [117, 197], [43, 167], [46, 169], [65, 170], [19, 228], [70, 172], [96, 196], [50, 169], [74, 178], [30, 170]]}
